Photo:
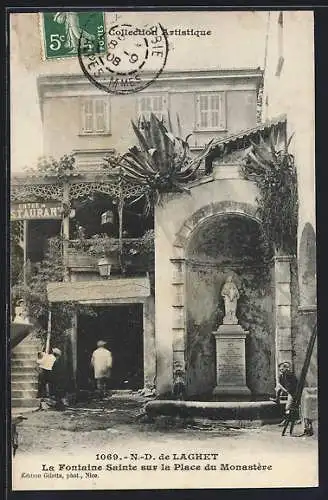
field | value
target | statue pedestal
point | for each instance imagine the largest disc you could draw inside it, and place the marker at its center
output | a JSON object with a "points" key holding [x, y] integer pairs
{"points": [[231, 363]]}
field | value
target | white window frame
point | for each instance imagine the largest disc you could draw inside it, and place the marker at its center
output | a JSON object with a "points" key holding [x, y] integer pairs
{"points": [[161, 114], [222, 112], [88, 118]]}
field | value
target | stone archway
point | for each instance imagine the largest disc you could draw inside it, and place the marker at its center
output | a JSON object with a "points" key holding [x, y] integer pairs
{"points": [[184, 246], [217, 208]]}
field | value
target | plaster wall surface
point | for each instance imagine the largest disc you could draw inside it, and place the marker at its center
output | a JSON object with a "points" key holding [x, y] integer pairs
{"points": [[291, 91]]}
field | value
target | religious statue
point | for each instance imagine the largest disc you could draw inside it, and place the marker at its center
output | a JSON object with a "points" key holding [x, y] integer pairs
{"points": [[230, 295], [21, 313]]}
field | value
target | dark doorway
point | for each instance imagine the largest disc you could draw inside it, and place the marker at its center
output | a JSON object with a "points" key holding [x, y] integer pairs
{"points": [[121, 326]]}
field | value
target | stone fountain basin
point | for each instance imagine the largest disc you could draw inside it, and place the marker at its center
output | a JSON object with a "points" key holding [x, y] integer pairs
{"points": [[260, 411]]}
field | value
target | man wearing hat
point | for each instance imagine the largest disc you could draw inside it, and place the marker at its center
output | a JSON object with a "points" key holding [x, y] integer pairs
{"points": [[101, 363]]}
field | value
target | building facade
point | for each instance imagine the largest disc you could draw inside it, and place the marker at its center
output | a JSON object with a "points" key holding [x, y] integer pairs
{"points": [[208, 103], [289, 88], [200, 238]]}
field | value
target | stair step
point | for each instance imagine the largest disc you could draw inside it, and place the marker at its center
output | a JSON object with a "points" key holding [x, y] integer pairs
{"points": [[17, 376], [25, 403], [27, 363], [27, 342], [25, 394], [24, 385], [24, 357], [23, 370], [32, 351]]}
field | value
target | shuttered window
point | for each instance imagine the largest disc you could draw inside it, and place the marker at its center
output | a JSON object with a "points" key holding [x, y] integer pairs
{"points": [[156, 104], [95, 117], [210, 111]]}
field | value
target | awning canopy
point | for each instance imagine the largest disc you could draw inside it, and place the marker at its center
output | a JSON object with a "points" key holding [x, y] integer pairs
{"points": [[99, 290]]}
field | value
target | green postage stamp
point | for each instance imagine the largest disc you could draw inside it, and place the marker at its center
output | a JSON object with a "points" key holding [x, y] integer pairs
{"points": [[62, 32]]}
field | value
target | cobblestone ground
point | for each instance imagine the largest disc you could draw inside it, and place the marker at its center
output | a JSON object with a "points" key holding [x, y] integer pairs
{"points": [[114, 426], [96, 423]]}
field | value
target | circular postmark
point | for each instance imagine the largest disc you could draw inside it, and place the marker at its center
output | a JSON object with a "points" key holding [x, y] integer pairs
{"points": [[124, 59]]}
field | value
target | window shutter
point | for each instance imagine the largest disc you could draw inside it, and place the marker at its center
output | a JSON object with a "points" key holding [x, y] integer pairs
{"points": [[87, 115], [100, 115], [197, 112], [204, 111], [222, 111], [82, 115], [165, 109]]}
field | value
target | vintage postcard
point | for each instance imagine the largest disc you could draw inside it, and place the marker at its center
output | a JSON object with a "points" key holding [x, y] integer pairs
{"points": [[163, 250]]}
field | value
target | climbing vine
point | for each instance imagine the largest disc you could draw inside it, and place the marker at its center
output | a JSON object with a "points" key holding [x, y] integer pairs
{"points": [[273, 170]]}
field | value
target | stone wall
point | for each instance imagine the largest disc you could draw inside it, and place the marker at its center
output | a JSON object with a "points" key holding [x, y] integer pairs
{"points": [[205, 313]]}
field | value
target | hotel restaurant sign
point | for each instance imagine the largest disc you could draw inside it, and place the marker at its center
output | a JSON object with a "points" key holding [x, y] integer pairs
{"points": [[29, 211]]}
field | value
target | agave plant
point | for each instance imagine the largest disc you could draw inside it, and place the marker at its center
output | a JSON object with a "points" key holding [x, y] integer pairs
{"points": [[273, 170], [161, 163]]}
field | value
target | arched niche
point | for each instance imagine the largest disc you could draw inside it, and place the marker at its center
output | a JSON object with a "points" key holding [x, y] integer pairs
{"points": [[222, 244]]}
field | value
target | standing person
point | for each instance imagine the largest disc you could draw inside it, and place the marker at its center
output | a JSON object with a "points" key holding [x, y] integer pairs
{"points": [[45, 363], [309, 410], [101, 363], [287, 384], [59, 379]]}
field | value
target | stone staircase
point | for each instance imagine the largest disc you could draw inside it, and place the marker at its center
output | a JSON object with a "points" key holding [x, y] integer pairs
{"points": [[24, 375]]}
